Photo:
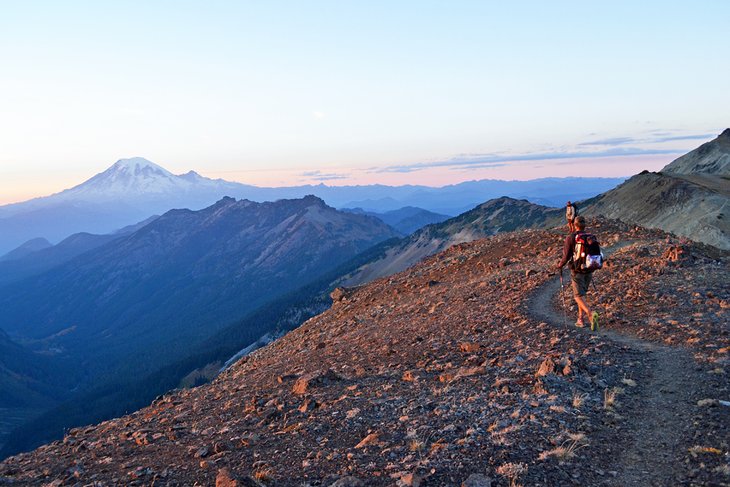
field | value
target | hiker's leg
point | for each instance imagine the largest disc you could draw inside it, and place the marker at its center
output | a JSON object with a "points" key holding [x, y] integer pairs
{"points": [[582, 306], [580, 283]]}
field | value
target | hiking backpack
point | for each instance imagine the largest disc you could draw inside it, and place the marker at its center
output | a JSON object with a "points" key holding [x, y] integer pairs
{"points": [[587, 255]]}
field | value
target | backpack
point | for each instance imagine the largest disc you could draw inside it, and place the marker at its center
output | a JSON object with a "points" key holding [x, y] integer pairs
{"points": [[587, 255]]}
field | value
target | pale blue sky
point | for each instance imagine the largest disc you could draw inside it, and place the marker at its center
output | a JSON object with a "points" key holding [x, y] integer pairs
{"points": [[397, 92]]}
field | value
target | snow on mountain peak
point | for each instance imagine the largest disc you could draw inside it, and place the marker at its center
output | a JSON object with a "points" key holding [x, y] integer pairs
{"points": [[126, 177], [138, 164]]}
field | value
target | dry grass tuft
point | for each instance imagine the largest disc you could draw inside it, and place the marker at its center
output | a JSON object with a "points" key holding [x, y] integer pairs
{"points": [[579, 399], [513, 471], [416, 445], [696, 450], [567, 450], [579, 437], [610, 397]]}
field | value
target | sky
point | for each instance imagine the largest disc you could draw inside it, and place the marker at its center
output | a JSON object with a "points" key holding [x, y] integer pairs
{"points": [[343, 92]]}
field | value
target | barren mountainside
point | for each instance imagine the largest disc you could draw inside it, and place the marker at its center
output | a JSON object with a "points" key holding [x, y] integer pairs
{"points": [[490, 218], [712, 157], [459, 370], [689, 197]]}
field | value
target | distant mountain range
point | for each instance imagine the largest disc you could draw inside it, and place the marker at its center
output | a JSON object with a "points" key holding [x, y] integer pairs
{"points": [[184, 274], [406, 220], [133, 189]]}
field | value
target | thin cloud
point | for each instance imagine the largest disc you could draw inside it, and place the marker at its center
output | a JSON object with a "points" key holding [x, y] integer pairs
{"points": [[480, 161], [685, 137], [612, 141], [318, 115], [320, 176], [654, 138]]}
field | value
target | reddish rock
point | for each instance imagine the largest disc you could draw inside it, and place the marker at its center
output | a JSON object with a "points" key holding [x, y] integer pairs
{"points": [[468, 347], [369, 440], [546, 367], [224, 479]]}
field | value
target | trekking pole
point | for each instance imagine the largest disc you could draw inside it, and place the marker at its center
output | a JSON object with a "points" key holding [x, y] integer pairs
{"points": [[562, 295]]}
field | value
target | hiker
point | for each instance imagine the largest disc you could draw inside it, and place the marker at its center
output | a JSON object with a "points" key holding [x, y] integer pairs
{"points": [[570, 213], [580, 279]]}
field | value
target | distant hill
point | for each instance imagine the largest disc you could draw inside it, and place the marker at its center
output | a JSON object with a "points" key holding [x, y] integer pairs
{"points": [[133, 189], [689, 197], [29, 383], [492, 217], [26, 379], [27, 248], [22, 262], [406, 220]]}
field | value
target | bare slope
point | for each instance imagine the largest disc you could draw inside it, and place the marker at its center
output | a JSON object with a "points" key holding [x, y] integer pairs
{"points": [[440, 373], [673, 204], [490, 218], [712, 157], [690, 197]]}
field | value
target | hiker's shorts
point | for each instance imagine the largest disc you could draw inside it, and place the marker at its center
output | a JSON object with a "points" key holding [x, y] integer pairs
{"points": [[580, 283]]}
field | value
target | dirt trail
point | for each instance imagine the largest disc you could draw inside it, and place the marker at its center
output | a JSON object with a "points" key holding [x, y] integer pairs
{"points": [[665, 405], [660, 418]]}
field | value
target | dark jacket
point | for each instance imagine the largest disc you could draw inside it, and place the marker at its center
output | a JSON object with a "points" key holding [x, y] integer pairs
{"points": [[568, 248]]}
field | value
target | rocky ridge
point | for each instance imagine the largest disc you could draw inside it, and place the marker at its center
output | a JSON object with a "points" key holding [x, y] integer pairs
{"points": [[441, 375], [490, 218], [712, 157], [690, 197]]}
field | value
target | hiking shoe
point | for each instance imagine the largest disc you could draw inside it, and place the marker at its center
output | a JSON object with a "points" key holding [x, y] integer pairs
{"points": [[594, 321], [579, 324]]}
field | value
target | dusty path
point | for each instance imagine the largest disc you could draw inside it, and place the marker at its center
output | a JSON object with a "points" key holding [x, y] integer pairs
{"points": [[660, 421]]}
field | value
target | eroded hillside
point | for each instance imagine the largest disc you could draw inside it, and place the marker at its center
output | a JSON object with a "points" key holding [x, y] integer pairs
{"points": [[689, 197], [448, 371]]}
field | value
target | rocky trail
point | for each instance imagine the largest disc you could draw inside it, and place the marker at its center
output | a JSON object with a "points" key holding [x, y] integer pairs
{"points": [[664, 407], [662, 413]]}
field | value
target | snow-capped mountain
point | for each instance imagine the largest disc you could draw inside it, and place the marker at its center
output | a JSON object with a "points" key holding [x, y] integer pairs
{"points": [[142, 178], [127, 192]]}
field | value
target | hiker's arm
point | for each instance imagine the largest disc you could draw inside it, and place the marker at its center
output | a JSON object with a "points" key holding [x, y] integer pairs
{"points": [[566, 251]]}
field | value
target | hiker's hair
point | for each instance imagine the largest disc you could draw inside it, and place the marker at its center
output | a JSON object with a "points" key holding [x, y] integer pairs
{"points": [[580, 223]]}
